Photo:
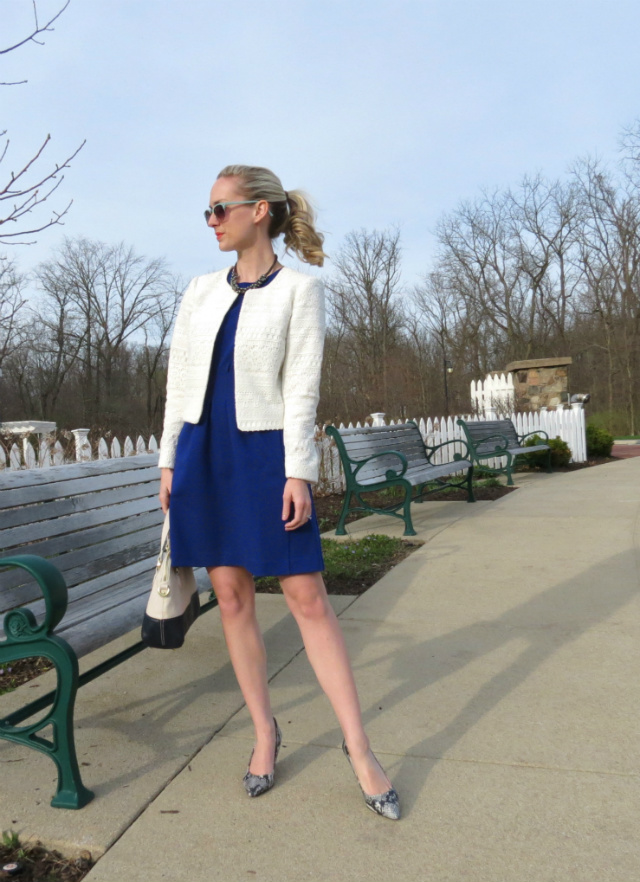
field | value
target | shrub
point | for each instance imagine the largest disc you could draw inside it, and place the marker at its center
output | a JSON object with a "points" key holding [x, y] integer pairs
{"points": [[599, 441], [560, 452]]}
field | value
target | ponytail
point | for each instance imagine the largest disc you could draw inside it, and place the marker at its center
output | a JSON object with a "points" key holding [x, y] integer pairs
{"points": [[293, 216]]}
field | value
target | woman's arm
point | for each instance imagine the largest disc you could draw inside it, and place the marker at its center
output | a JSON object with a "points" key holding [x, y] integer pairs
{"points": [[175, 380], [301, 373]]}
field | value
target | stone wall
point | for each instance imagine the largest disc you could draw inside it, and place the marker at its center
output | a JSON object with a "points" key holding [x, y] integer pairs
{"points": [[540, 382]]}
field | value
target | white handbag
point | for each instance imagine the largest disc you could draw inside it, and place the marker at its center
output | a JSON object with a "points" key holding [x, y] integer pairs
{"points": [[173, 604]]}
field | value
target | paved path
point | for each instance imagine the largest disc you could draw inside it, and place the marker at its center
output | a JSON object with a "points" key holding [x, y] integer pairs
{"points": [[497, 667], [625, 451]]}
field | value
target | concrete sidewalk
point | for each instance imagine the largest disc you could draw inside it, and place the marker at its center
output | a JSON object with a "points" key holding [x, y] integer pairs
{"points": [[497, 668]]}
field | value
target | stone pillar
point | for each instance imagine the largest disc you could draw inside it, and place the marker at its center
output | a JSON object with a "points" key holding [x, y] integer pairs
{"points": [[83, 448], [540, 382]]}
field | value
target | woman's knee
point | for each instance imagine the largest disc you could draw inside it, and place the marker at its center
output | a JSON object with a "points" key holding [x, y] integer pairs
{"points": [[306, 595], [234, 589]]}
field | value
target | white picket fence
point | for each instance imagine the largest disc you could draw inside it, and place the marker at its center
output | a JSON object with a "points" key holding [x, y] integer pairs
{"points": [[495, 393], [568, 424], [49, 452]]}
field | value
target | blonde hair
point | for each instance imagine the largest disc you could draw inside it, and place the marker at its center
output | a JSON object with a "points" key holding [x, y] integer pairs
{"points": [[293, 215]]}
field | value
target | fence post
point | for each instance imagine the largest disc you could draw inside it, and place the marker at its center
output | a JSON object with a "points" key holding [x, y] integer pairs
{"points": [[83, 448], [378, 419]]}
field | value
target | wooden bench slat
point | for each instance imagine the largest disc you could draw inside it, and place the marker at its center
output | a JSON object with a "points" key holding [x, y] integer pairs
{"points": [[421, 475], [134, 535], [76, 523], [123, 553], [60, 489], [382, 431], [364, 450], [103, 582], [58, 548], [23, 478], [43, 511]]}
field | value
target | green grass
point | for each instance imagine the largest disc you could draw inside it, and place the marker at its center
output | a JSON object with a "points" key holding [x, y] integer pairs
{"points": [[614, 421], [10, 839], [9, 684], [349, 560]]}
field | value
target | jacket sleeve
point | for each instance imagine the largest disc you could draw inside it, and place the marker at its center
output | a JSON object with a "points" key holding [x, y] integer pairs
{"points": [[173, 420], [301, 372]]}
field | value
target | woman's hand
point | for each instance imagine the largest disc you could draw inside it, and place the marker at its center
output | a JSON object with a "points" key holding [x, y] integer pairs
{"points": [[296, 491], [166, 479]]}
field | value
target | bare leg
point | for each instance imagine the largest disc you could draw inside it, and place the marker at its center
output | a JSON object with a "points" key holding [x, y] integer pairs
{"points": [[235, 589], [307, 598]]}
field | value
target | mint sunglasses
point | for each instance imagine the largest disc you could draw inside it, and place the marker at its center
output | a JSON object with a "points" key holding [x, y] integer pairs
{"points": [[220, 208]]}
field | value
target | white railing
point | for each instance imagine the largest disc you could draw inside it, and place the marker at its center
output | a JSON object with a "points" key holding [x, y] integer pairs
{"points": [[568, 424]]}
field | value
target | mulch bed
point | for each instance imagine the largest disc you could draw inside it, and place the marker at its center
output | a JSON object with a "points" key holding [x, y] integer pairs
{"points": [[328, 508], [37, 864], [13, 674]]}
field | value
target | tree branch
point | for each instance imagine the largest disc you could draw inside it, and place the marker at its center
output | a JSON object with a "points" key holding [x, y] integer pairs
{"points": [[38, 30]]}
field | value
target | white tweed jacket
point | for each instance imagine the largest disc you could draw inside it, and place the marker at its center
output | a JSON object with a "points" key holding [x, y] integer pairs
{"points": [[277, 361]]}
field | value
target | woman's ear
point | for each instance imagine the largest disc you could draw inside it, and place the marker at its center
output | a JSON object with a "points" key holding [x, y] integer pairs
{"points": [[261, 210]]}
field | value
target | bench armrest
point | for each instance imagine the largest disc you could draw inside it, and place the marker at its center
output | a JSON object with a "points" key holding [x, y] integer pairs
{"points": [[456, 456], [20, 624], [390, 472], [529, 434]]}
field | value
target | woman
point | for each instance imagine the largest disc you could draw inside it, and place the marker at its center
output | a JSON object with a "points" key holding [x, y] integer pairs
{"points": [[238, 454]]}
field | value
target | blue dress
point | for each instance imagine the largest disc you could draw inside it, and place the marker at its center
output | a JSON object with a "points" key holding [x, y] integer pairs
{"points": [[226, 495]]}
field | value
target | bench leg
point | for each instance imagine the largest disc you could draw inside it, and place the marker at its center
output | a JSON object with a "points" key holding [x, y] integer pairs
{"points": [[408, 525], [71, 792], [470, 496], [340, 530], [509, 470]]}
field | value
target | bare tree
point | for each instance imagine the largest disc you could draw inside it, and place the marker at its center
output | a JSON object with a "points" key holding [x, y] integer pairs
{"points": [[545, 220], [12, 308], [365, 312], [110, 296], [610, 255], [24, 191], [153, 355]]}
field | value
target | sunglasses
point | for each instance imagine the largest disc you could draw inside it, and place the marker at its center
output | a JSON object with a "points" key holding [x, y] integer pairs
{"points": [[220, 208]]}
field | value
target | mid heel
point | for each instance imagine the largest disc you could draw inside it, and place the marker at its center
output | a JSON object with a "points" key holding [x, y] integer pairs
{"points": [[386, 804], [256, 785]]}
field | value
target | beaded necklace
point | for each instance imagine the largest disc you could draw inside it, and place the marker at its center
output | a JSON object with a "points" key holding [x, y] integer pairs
{"points": [[233, 281]]}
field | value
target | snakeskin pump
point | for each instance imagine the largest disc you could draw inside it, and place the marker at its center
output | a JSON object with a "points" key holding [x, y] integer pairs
{"points": [[256, 785], [385, 804]]}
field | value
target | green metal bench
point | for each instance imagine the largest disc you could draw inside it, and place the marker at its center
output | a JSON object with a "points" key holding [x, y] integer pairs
{"points": [[82, 542], [488, 439], [377, 457]]}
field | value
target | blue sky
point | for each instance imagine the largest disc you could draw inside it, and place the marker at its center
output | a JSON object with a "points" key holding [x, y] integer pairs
{"points": [[388, 113]]}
